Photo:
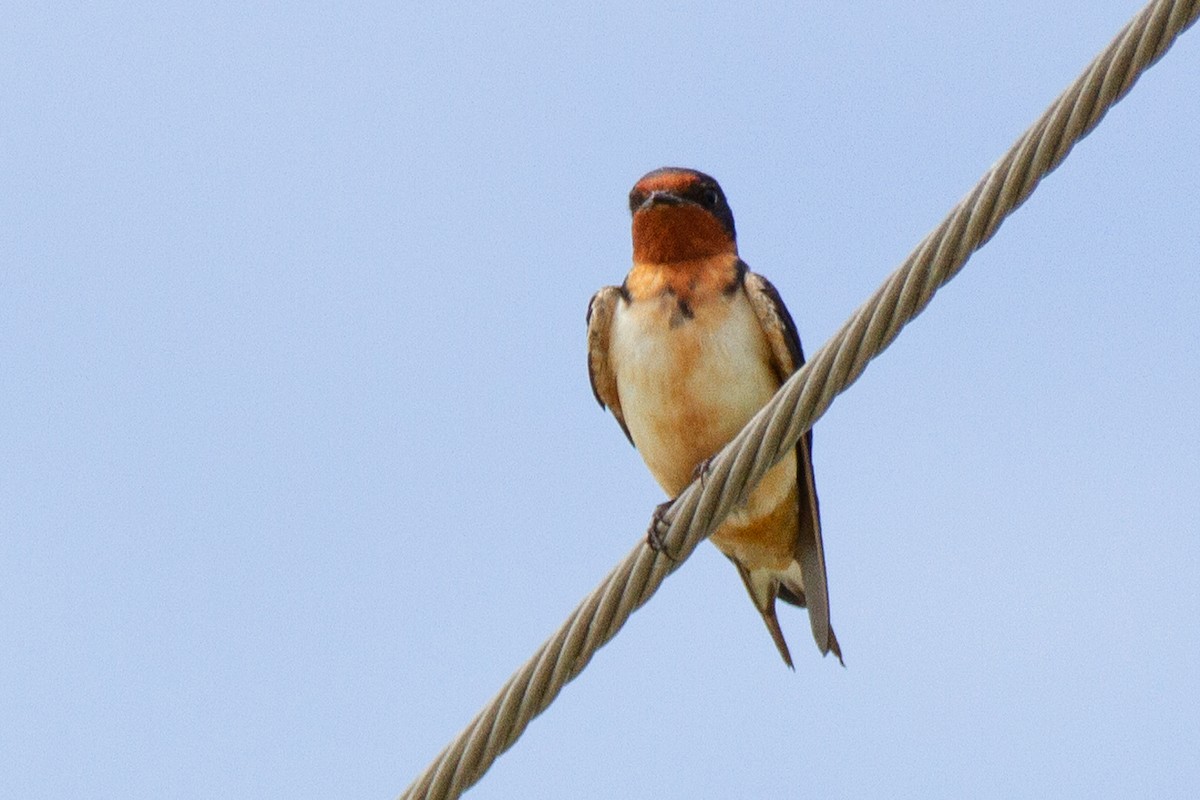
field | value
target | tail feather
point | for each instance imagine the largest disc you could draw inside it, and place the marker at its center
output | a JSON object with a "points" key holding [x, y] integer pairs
{"points": [[768, 615], [822, 633], [835, 648], [764, 587]]}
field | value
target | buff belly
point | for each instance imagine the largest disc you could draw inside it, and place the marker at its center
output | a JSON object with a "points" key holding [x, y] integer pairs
{"points": [[687, 385]]}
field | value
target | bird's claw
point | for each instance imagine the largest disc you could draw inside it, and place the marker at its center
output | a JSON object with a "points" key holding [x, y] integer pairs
{"points": [[701, 471], [654, 538]]}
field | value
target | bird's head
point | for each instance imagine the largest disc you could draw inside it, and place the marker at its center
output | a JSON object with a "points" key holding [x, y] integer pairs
{"points": [[680, 215]]}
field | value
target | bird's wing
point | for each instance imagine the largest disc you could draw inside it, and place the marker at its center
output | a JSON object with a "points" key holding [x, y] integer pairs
{"points": [[787, 356], [600, 369]]}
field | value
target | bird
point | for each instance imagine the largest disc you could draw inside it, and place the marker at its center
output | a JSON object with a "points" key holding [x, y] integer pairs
{"points": [[683, 353]]}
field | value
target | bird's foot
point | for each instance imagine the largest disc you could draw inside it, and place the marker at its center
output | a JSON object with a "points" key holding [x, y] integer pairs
{"points": [[701, 471], [654, 534]]}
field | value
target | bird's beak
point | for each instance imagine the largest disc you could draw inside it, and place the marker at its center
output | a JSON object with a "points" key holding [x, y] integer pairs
{"points": [[660, 198]]}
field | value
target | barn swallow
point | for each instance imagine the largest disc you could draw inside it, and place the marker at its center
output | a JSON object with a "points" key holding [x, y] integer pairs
{"points": [[684, 353]]}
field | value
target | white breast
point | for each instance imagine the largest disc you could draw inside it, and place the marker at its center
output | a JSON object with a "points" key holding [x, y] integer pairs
{"points": [[686, 389]]}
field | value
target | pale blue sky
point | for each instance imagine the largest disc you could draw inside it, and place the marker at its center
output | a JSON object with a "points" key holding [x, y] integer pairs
{"points": [[299, 460]]}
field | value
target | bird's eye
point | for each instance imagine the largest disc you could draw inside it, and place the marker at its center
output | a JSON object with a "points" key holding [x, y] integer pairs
{"points": [[709, 198]]}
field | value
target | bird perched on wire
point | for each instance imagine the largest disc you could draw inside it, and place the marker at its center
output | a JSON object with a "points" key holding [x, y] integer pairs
{"points": [[684, 353]]}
